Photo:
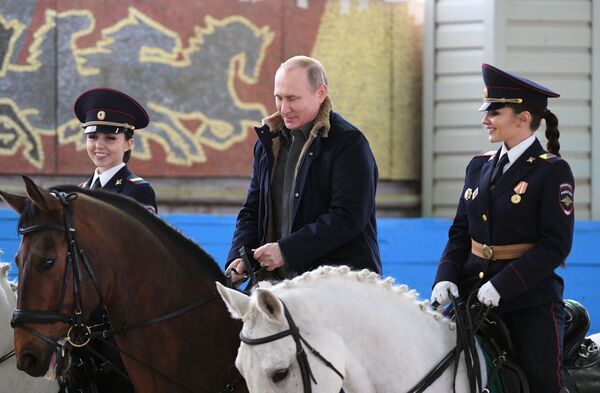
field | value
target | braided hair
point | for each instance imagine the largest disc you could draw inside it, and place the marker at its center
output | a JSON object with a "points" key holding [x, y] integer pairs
{"points": [[127, 155], [537, 114]]}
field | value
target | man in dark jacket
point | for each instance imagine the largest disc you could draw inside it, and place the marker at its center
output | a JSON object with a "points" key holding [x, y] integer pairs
{"points": [[311, 199]]}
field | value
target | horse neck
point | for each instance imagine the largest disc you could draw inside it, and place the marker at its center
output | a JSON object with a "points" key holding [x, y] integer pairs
{"points": [[372, 318], [153, 277], [144, 263]]}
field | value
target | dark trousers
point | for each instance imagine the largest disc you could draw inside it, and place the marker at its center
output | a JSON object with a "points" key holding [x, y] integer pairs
{"points": [[537, 334]]}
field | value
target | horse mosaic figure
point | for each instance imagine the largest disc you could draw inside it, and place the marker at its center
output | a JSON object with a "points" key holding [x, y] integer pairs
{"points": [[183, 342], [371, 336], [225, 51], [11, 379]]}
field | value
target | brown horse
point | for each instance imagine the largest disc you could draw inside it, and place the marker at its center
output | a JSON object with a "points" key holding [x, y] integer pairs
{"points": [[83, 248]]}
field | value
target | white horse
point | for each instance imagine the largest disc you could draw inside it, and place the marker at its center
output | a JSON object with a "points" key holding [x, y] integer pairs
{"points": [[378, 336], [11, 379]]}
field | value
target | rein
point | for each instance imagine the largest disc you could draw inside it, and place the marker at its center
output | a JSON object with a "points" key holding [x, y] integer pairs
{"points": [[7, 356], [465, 343], [79, 333], [247, 256], [303, 362]]}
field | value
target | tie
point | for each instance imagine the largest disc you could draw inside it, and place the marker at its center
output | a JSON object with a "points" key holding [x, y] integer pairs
{"points": [[498, 170], [96, 184]]}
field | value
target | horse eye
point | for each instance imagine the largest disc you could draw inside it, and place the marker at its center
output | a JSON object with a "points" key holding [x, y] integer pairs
{"points": [[47, 264], [280, 375]]}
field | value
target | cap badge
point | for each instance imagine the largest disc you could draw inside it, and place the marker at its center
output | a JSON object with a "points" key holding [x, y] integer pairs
{"points": [[118, 182], [101, 115], [485, 92]]}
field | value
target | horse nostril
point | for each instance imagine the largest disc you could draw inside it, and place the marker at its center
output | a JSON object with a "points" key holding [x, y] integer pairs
{"points": [[27, 362]]}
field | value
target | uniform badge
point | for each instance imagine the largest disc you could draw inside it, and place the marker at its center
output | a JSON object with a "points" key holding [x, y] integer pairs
{"points": [[519, 190], [531, 160], [101, 115], [475, 193], [468, 193], [565, 198], [119, 182]]}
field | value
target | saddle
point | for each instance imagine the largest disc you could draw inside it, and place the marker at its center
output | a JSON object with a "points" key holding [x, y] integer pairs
{"points": [[581, 361], [581, 356]]}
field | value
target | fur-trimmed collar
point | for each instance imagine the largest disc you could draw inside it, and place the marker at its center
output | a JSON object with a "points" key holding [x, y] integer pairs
{"points": [[275, 121]]}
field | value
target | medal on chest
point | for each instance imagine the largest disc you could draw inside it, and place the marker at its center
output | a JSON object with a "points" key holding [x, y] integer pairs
{"points": [[519, 190]]}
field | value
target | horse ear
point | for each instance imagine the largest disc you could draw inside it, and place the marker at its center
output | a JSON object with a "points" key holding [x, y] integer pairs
{"points": [[269, 304], [237, 302], [40, 197], [4, 268], [16, 202]]}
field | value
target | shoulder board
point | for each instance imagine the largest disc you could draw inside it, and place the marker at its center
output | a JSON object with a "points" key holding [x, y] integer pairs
{"points": [[488, 154], [137, 180], [550, 157]]}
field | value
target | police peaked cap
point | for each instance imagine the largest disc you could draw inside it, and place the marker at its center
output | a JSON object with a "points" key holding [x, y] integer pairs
{"points": [[502, 88], [109, 111]]}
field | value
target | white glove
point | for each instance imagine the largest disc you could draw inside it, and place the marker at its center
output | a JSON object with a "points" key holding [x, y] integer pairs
{"points": [[488, 295], [441, 290]]}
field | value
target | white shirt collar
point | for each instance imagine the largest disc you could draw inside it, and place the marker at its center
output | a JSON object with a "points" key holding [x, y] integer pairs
{"points": [[106, 175], [516, 151]]}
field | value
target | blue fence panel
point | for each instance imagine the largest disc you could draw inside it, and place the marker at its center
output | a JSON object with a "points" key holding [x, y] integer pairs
{"points": [[410, 248]]}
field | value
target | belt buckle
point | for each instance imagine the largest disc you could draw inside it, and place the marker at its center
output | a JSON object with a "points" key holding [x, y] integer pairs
{"points": [[487, 252]]}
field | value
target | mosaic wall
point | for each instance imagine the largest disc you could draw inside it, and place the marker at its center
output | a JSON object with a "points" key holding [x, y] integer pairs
{"points": [[203, 70]]}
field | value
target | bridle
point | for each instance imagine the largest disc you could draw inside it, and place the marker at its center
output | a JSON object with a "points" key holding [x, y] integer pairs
{"points": [[79, 333], [293, 331]]}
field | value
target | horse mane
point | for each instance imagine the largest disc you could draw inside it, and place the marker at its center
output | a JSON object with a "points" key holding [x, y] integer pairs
{"points": [[365, 277], [134, 209]]}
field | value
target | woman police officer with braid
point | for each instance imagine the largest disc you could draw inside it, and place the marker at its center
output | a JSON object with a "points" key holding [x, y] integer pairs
{"points": [[514, 226], [108, 118]]}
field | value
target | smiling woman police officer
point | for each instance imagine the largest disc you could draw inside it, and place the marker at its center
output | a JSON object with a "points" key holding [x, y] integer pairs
{"points": [[514, 226], [109, 118]]}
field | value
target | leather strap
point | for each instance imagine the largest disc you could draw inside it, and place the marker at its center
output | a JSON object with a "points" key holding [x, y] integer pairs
{"points": [[496, 253]]}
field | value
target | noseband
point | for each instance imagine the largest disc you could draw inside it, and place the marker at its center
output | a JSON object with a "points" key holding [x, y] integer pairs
{"points": [[79, 334], [293, 331]]}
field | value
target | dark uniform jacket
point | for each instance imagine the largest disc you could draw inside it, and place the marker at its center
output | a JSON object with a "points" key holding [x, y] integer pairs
{"points": [[333, 214], [543, 215], [126, 183]]}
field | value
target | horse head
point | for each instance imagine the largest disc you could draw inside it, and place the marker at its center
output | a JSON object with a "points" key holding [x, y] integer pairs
{"points": [[39, 260], [46, 266], [246, 44], [269, 358]]}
